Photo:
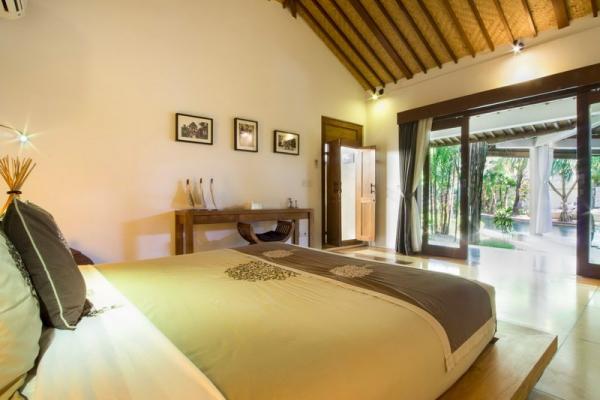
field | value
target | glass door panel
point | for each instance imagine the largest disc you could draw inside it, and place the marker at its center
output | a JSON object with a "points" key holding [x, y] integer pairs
{"points": [[443, 224], [588, 167], [445, 193]]}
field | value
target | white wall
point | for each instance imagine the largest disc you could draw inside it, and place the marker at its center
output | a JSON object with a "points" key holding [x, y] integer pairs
{"points": [[99, 83], [577, 47]]}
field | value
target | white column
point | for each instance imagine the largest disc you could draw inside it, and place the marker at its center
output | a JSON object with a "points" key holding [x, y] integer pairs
{"points": [[540, 212]]}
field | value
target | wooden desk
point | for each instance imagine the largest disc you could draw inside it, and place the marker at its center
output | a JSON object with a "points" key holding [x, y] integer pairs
{"points": [[186, 219]]}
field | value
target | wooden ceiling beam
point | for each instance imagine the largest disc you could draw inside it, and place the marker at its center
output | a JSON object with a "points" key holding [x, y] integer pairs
{"points": [[372, 25], [437, 30], [481, 24], [561, 13], [594, 8], [306, 14], [419, 33], [459, 27], [292, 6], [504, 20], [403, 38], [365, 43], [530, 17], [348, 42]]}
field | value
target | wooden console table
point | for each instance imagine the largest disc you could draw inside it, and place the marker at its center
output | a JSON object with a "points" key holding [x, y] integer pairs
{"points": [[186, 219]]}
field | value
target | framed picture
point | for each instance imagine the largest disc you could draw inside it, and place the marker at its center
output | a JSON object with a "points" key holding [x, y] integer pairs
{"points": [[245, 135], [286, 142], [193, 129]]}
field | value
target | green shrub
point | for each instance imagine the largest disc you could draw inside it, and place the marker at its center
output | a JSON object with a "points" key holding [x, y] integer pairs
{"points": [[500, 244], [503, 220]]}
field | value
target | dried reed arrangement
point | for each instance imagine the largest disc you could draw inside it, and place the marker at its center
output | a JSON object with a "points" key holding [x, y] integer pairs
{"points": [[15, 172]]}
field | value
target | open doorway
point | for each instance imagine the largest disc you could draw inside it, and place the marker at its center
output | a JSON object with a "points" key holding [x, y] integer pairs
{"points": [[525, 183], [526, 178], [348, 185]]}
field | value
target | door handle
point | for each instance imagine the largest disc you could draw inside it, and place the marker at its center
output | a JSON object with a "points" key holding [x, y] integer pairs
{"points": [[372, 188]]}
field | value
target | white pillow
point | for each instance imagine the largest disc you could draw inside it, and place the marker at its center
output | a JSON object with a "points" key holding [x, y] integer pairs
{"points": [[20, 322]]}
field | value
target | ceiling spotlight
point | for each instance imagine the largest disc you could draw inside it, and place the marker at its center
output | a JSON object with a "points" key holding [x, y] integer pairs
{"points": [[23, 138], [377, 94], [517, 46]]}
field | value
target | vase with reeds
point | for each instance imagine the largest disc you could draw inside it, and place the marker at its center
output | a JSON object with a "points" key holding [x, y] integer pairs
{"points": [[15, 172]]}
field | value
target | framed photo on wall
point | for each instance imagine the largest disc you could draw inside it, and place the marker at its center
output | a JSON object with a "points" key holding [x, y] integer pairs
{"points": [[245, 135], [193, 129], [286, 142]]}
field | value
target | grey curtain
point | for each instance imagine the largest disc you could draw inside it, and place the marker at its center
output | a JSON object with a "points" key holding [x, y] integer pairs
{"points": [[407, 150]]}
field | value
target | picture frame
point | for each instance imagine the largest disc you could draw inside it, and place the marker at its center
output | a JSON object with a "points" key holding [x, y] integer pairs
{"points": [[286, 143], [245, 135], [193, 129]]}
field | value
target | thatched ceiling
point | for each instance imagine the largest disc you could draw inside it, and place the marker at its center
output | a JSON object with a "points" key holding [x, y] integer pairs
{"points": [[382, 41]]}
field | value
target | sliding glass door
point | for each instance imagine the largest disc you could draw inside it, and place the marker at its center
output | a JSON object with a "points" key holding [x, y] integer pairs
{"points": [[588, 168], [445, 194]]}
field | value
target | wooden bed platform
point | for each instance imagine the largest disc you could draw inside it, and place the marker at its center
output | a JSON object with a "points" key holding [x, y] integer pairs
{"points": [[509, 368]]}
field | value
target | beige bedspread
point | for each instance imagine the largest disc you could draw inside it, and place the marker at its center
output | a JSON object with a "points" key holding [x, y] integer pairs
{"points": [[117, 355], [304, 337]]}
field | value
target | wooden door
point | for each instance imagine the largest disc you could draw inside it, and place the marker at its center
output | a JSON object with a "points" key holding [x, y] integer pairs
{"points": [[333, 201], [365, 195], [346, 134]]}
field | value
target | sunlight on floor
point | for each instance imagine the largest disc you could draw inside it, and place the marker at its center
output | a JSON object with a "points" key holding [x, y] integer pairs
{"points": [[537, 290]]}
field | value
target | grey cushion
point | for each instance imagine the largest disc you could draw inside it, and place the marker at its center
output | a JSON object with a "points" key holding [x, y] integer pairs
{"points": [[55, 276]]}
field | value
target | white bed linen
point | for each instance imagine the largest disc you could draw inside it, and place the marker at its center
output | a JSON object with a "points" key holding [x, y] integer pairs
{"points": [[117, 354]]}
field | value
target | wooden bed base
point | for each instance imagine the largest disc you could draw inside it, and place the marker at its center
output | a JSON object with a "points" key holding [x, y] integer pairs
{"points": [[509, 367]]}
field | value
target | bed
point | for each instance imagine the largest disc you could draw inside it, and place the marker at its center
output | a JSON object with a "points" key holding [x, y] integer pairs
{"points": [[267, 321]]}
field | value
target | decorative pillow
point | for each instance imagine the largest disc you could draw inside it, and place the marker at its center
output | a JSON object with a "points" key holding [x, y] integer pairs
{"points": [[55, 276], [20, 324]]}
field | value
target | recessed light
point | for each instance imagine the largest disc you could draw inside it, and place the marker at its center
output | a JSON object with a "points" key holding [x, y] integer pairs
{"points": [[377, 94], [517, 46]]}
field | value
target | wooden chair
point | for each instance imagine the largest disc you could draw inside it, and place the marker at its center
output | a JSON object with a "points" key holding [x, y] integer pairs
{"points": [[281, 234]]}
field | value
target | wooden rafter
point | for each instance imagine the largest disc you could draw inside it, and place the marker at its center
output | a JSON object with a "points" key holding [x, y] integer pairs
{"points": [[389, 48], [419, 33], [398, 32], [504, 20], [365, 43], [561, 13], [292, 6], [346, 40], [312, 21], [530, 20], [382, 41], [459, 27], [481, 24], [437, 30]]}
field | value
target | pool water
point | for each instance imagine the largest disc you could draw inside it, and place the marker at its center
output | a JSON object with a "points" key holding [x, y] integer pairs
{"points": [[522, 227]]}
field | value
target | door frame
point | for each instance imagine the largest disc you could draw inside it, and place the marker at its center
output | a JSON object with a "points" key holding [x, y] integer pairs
{"points": [[462, 251], [358, 142], [585, 99]]}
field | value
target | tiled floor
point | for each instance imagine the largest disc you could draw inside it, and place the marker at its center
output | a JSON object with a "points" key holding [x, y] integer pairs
{"points": [[541, 291]]}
